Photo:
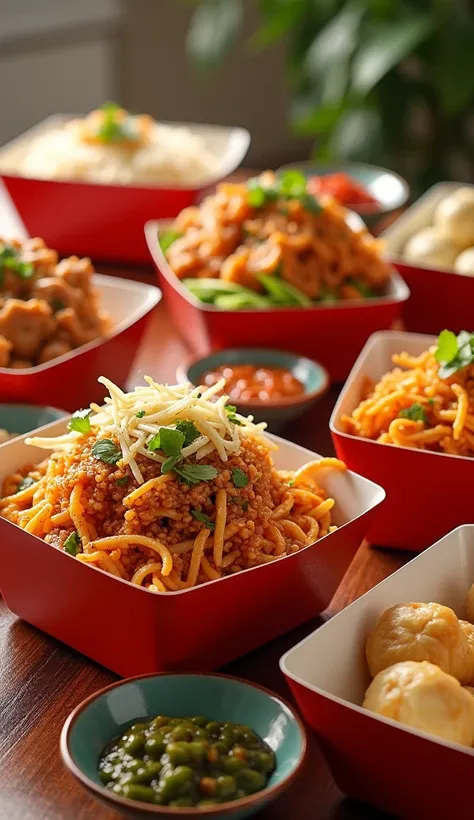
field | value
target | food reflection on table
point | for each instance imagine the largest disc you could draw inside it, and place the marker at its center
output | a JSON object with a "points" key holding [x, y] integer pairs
{"points": [[47, 308], [426, 402], [270, 243], [168, 487], [112, 146], [183, 762], [422, 659], [447, 243], [248, 382], [344, 189]]}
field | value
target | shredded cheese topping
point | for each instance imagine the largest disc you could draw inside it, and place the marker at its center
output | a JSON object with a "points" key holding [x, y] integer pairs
{"points": [[134, 418]]}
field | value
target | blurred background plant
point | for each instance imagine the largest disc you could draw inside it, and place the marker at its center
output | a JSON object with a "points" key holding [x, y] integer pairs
{"points": [[385, 81]]}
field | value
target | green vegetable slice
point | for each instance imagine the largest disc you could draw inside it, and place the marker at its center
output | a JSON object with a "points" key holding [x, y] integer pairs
{"points": [[80, 422], [415, 413], [282, 292], [167, 238], [72, 544], [231, 410], [240, 301], [239, 478]]}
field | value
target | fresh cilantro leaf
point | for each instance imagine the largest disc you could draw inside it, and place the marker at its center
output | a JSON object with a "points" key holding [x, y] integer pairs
{"points": [[80, 422], [454, 352], [170, 463], [292, 184], [140, 414], [239, 478], [415, 413], [123, 481], [447, 348], [10, 260], [72, 544], [431, 401], [189, 430], [172, 441], [166, 239], [194, 473], [203, 518], [25, 483], [310, 203], [154, 443], [256, 196], [107, 451], [231, 410], [291, 482]]}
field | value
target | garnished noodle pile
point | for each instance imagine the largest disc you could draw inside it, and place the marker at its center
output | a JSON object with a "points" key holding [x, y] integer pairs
{"points": [[412, 406], [168, 487]]}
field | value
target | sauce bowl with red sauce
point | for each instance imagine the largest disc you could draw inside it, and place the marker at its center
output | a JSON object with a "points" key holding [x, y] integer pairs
{"points": [[271, 385]]}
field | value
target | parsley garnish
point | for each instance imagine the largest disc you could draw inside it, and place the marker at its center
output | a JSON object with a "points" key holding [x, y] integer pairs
{"points": [[194, 473], [169, 439], [10, 260], [189, 430], [291, 482], [72, 544], [107, 451], [288, 185], [454, 352], [25, 483], [239, 478], [415, 413], [204, 519], [140, 414], [231, 410], [170, 463], [80, 422], [123, 481]]}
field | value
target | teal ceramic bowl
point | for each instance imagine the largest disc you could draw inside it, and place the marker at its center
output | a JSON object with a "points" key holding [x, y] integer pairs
{"points": [[22, 418], [108, 713], [279, 412], [389, 189]]}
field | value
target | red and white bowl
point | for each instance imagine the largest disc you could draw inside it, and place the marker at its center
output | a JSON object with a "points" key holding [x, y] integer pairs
{"points": [[197, 629], [428, 494], [400, 770], [106, 222], [70, 381], [333, 334], [438, 298]]}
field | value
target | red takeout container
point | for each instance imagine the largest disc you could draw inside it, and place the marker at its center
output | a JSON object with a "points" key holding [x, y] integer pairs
{"points": [[200, 628], [102, 221], [428, 494], [332, 334], [438, 298], [395, 768], [70, 381]]}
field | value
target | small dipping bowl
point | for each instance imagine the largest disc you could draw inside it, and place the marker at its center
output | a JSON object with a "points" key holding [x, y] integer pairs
{"points": [[19, 419], [109, 712], [276, 412]]}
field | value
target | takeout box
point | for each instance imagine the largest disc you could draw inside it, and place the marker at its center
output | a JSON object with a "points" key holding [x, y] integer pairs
{"points": [[395, 768], [103, 221], [333, 334], [428, 494], [133, 631], [70, 381], [438, 298]]}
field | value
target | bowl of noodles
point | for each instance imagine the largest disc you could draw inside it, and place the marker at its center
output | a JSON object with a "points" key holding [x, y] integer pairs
{"points": [[406, 417], [171, 511], [261, 256], [89, 184]]}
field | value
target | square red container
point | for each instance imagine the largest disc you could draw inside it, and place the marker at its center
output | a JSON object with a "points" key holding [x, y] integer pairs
{"points": [[438, 298], [332, 334], [134, 631], [428, 494], [106, 221], [70, 381], [395, 768]]}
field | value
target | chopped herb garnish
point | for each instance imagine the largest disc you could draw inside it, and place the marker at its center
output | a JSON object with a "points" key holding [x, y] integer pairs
{"points": [[166, 239], [204, 519], [245, 506], [231, 410], [194, 473], [10, 260], [123, 481], [454, 352], [291, 482], [25, 483], [170, 463], [111, 128], [107, 451], [171, 441], [140, 414], [292, 184], [288, 185], [72, 544], [155, 442], [310, 203], [189, 430], [415, 413], [57, 304], [80, 422], [239, 478]]}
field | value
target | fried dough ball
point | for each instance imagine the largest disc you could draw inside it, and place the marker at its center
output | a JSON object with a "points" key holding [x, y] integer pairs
{"points": [[421, 632], [469, 689], [470, 605], [421, 695]]}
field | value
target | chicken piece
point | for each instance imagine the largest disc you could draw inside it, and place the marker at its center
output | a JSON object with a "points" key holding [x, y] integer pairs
{"points": [[421, 632], [78, 333], [5, 350], [20, 364], [423, 696], [234, 269], [42, 258], [56, 292], [76, 272], [27, 325], [53, 349]]}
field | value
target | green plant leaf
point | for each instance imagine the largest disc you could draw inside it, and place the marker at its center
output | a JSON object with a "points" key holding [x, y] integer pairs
{"points": [[239, 478], [357, 135], [104, 449], [72, 544], [385, 45], [189, 430], [166, 239], [204, 519], [337, 40], [453, 68], [447, 346], [80, 422], [195, 473], [214, 27], [415, 413]]}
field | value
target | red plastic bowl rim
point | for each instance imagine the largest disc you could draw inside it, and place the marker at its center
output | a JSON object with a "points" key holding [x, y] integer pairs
{"points": [[348, 386], [58, 119], [152, 297], [229, 807], [354, 706], [400, 293]]}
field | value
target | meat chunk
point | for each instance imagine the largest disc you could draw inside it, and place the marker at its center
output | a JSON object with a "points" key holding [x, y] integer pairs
{"points": [[56, 292], [5, 350], [27, 325], [78, 332], [76, 272], [53, 349]]}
